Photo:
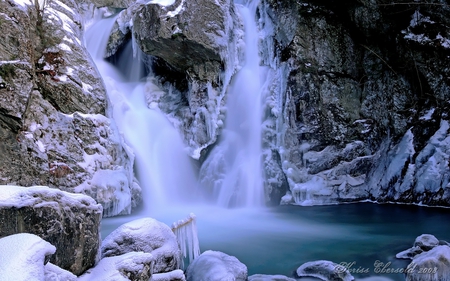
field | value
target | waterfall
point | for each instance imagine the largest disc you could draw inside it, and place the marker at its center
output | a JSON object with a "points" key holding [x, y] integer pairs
{"points": [[162, 166], [232, 172]]}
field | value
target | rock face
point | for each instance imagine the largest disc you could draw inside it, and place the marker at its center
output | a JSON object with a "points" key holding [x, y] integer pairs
{"points": [[145, 235], [358, 107], [70, 222], [215, 266], [53, 125], [188, 46]]}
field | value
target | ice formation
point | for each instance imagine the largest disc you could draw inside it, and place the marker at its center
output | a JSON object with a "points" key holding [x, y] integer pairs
{"points": [[186, 232]]}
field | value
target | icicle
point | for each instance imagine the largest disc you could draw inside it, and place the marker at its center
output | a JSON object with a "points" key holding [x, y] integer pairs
{"points": [[186, 233]]}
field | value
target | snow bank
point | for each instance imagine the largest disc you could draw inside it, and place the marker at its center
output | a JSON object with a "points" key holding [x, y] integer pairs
{"points": [[22, 257], [40, 196]]}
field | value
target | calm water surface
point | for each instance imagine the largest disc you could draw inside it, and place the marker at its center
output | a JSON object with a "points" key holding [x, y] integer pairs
{"points": [[280, 239]]}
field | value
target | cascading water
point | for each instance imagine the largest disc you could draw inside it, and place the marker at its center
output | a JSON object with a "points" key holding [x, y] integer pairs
{"points": [[162, 166], [232, 172]]}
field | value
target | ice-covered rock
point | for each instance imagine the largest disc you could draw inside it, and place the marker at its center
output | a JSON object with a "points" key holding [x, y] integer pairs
{"points": [[263, 277], [324, 270], [131, 266], [54, 126], [174, 275], [144, 235], [423, 243], [433, 265], [70, 222], [353, 116], [23, 256], [216, 266]]}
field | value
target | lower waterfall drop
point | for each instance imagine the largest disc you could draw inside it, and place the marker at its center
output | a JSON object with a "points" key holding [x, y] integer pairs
{"points": [[232, 173]]}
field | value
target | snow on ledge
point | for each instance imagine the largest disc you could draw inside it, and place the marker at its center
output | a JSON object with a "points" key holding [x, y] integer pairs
{"points": [[39, 196]]}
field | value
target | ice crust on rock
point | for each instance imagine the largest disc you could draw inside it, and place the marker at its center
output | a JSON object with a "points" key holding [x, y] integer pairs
{"points": [[216, 266], [126, 267], [146, 235], [324, 270]]}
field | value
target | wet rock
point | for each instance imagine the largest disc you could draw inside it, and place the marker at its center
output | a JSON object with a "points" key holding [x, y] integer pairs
{"points": [[144, 235], [215, 266], [70, 222]]}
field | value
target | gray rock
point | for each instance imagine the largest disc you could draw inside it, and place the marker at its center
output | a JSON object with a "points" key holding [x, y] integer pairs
{"points": [[324, 270], [145, 235], [216, 266], [70, 222], [340, 83], [53, 125]]}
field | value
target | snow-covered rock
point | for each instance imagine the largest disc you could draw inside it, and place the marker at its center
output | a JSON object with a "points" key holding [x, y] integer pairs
{"points": [[55, 273], [23, 256], [324, 270], [70, 222], [54, 121], [174, 275], [216, 266], [433, 265], [132, 266], [144, 235], [423, 243]]}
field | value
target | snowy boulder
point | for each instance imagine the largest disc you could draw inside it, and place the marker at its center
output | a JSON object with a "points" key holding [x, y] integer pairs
{"points": [[263, 277], [71, 222], [23, 256], [426, 242], [134, 266], [423, 243], [145, 235], [216, 266], [324, 270], [433, 265]]}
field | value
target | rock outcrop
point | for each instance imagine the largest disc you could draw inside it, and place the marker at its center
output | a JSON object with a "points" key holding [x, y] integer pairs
{"points": [[188, 45], [359, 101], [54, 128], [70, 222]]}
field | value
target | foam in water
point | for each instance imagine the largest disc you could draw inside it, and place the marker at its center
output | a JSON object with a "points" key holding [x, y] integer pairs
{"points": [[232, 172]]}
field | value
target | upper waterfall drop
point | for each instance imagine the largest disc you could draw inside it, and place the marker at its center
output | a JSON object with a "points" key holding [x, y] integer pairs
{"points": [[162, 165], [232, 173]]}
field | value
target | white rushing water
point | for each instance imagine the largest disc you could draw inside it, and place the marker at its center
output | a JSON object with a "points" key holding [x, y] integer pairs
{"points": [[162, 166], [232, 172]]}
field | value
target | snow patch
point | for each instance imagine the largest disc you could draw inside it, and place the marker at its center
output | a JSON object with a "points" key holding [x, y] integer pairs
{"points": [[175, 12]]}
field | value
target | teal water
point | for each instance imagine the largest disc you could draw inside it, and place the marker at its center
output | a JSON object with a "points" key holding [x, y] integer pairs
{"points": [[278, 240]]}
